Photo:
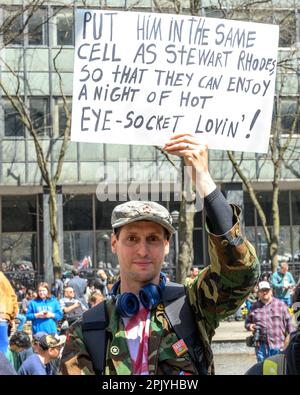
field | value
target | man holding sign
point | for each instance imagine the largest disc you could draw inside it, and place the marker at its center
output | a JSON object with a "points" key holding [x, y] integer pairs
{"points": [[150, 326]]}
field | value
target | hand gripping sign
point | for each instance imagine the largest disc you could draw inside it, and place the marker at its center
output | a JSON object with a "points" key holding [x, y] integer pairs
{"points": [[140, 77]]}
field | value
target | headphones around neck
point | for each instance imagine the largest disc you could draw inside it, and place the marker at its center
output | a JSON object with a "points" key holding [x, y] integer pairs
{"points": [[127, 303]]}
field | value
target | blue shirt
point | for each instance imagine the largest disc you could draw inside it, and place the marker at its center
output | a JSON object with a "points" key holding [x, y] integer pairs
{"points": [[47, 325], [33, 366]]}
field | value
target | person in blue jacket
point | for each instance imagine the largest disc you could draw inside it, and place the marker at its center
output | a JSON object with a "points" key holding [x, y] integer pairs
{"points": [[44, 311]]}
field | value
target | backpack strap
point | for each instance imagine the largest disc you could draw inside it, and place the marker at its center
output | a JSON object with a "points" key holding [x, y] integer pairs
{"points": [[275, 365], [182, 320], [94, 323]]}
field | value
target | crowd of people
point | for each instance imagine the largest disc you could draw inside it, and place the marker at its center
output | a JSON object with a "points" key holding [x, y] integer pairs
{"points": [[145, 324], [49, 313], [32, 330]]}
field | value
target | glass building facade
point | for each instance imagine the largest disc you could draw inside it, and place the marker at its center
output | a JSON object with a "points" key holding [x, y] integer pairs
{"points": [[91, 171]]}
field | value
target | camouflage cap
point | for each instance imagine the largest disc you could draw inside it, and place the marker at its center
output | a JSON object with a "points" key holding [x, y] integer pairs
{"points": [[52, 340], [133, 211]]}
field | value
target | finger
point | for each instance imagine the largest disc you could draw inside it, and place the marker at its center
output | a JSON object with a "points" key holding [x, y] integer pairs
{"points": [[178, 146], [187, 138], [179, 135], [185, 146]]}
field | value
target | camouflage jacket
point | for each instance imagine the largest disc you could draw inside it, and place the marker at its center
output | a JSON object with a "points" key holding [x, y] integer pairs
{"points": [[217, 292]]}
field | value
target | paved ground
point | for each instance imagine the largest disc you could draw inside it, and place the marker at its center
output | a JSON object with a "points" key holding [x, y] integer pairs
{"points": [[231, 331], [233, 364], [231, 355]]}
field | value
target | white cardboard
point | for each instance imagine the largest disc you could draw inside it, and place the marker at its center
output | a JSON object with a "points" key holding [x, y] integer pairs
{"points": [[140, 77]]}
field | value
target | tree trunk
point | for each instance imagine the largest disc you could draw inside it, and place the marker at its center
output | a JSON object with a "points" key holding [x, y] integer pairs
{"points": [[185, 229], [273, 251], [54, 231]]}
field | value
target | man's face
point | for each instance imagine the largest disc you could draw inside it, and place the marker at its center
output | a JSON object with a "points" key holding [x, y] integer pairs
{"points": [[265, 295], [54, 352], [102, 274], [69, 293], [141, 247], [284, 268]]}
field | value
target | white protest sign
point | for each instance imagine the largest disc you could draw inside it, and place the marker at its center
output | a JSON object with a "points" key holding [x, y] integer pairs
{"points": [[140, 77]]}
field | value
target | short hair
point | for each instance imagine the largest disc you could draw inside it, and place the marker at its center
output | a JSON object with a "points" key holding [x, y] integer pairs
{"points": [[20, 339], [69, 287], [94, 294], [44, 285]]}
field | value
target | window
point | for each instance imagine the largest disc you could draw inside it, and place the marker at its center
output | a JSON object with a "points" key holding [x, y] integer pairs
{"points": [[103, 251], [19, 214], [78, 249], [287, 22], [103, 213], [262, 246], [13, 126], [249, 209], [39, 113], [17, 20], [265, 200], [296, 208], [37, 28], [19, 252], [78, 212], [288, 113], [284, 212], [64, 27], [296, 224], [60, 121], [12, 26]]}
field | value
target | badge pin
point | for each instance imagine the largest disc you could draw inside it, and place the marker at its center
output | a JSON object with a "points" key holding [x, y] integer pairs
{"points": [[114, 350], [180, 347]]}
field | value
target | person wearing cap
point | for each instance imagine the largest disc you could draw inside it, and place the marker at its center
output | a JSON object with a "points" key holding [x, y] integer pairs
{"points": [[270, 321], [36, 340], [39, 363], [286, 362], [54, 363], [141, 339]]}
